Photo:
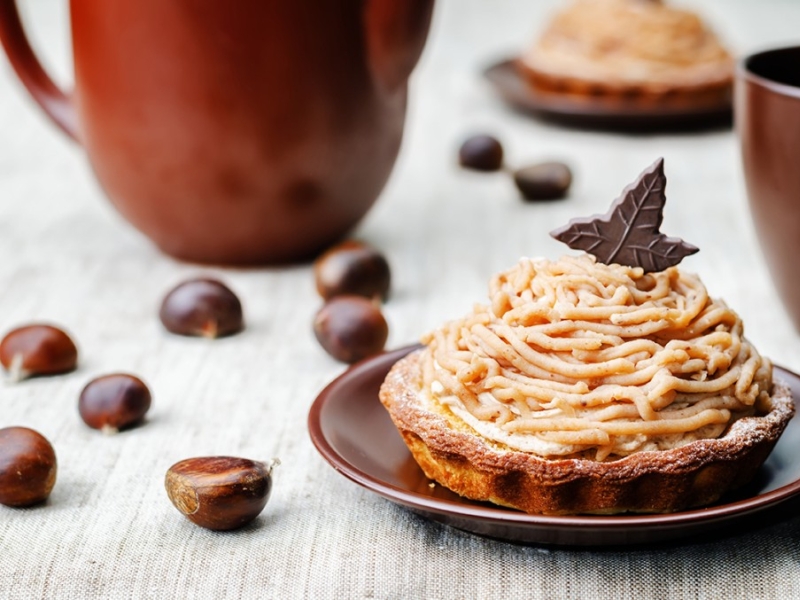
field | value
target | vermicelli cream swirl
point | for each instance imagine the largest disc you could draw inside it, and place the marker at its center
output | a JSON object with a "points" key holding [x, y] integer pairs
{"points": [[633, 42], [574, 357]]}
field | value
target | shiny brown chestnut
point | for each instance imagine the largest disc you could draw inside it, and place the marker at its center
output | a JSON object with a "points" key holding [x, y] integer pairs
{"points": [[202, 307], [543, 181], [27, 467], [350, 328], [481, 153], [352, 268], [37, 349], [113, 402], [220, 492]]}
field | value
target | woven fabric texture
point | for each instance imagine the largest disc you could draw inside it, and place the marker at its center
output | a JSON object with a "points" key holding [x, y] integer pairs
{"points": [[109, 530]]}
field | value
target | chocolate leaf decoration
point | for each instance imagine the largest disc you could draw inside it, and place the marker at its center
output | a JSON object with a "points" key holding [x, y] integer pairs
{"points": [[628, 234]]}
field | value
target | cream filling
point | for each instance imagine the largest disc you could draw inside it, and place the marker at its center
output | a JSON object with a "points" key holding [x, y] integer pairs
{"points": [[578, 358], [491, 431]]}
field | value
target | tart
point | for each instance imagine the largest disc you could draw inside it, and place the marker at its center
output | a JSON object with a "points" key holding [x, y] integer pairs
{"points": [[638, 51], [589, 386]]}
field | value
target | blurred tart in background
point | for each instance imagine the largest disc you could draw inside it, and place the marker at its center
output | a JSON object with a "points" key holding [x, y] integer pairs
{"points": [[641, 50]]}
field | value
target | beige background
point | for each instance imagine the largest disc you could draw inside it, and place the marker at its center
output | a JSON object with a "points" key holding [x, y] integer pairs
{"points": [[109, 531]]}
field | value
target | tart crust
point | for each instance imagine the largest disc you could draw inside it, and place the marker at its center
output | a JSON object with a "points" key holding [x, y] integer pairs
{"points": [[630, 94], [693, 475]]}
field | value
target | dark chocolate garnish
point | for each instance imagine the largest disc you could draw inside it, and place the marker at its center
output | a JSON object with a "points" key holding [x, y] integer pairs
{"points": [[628, 234]]}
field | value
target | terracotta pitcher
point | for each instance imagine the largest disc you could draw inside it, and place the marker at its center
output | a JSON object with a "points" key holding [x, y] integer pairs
{"points": [[251, 131]]}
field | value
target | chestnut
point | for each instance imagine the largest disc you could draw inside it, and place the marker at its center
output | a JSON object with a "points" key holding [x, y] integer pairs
{"points": [[350, 328], [220, 492], [27, 467], [481, 153], [352, 268], [113, 402], [202, 307], [37, 349], [543, 181]]}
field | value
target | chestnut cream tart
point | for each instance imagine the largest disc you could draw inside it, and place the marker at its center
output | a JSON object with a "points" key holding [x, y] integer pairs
{"points": [[637, 50]]}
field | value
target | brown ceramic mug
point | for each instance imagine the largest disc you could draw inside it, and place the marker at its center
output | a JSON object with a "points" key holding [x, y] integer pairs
{"points": [[767, 113], [254, 131]]}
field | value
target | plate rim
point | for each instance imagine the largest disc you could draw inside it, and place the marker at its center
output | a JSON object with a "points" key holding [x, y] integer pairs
{"points": [[509, 517]]}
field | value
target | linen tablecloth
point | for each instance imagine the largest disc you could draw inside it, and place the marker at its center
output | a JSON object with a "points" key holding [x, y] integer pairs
{"points": [[109, 531]]}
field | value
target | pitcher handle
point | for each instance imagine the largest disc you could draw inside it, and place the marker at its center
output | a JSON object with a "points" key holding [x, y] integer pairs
{"points": [[395, 33], [47, 94]]}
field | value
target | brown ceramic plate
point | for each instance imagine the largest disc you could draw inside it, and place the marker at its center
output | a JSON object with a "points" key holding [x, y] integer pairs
{"points": [[354, 433], [599, 112]]}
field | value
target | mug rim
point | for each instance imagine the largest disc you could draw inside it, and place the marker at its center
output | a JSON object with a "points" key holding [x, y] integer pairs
{"points": [[746, 73]]}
